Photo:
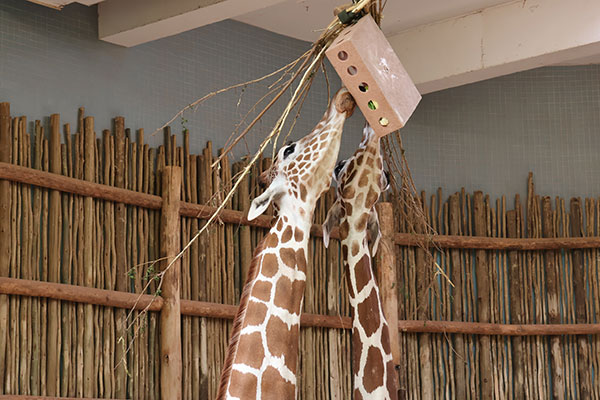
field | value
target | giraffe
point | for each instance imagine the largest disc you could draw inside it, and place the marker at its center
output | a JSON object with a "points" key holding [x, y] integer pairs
{"points": [[360, 181], [262, 357]]}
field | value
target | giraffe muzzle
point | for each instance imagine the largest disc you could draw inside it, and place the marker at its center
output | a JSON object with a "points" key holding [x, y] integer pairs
{"points": [[344, 102]]}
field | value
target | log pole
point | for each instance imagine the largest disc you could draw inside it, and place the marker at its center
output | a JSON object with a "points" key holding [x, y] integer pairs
{"points": [[170, 315], [387, 277], [5, 146], [579, 283]]}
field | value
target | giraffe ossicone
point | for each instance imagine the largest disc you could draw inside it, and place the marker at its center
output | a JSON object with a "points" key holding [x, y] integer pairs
{"points": [[262, 358], [360, 181]]}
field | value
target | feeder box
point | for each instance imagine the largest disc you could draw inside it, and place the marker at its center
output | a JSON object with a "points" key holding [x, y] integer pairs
{"points": [[373, 74]]}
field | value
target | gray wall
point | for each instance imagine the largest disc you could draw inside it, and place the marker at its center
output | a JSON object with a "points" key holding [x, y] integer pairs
{"points": [[486, 135], [52, 62], [489, 135]]}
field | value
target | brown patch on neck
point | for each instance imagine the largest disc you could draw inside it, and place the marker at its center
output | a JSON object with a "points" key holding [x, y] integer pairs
{"points": [[374, 369], [226, 375], [274, 387], [369, 313]]}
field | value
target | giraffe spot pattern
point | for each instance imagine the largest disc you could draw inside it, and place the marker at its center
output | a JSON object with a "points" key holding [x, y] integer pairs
{"points": [[270, 265], [262, 290], [391, 381], [345, 211], [361, 224], [385, 339], [373, 370], [275, 328], [245, 387], [371, 198], [275, 387], [272, 241], [288, 294], [369, 314], [303, 192], [348, 192], [357, 348], [301, 260], [344, 228], [258, 317], [250, 350], [355, 248], [287, 234], [288, 256], [298, 235], [363, 272], [364, 179]]}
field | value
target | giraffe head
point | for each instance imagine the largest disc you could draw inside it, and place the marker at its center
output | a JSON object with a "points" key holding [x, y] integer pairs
{"points": [[360, 180], [302, 170]]}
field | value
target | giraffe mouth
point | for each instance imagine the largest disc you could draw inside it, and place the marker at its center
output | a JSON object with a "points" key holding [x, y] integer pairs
{"points": [[264, 179], [344, 103]]}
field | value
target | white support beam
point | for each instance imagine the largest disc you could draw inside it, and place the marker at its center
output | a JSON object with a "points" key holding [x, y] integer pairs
{"points": [[499, 40], [132, 22]]}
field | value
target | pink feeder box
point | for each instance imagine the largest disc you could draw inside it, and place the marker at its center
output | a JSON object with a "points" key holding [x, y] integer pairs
{"points": [[372, 72]]}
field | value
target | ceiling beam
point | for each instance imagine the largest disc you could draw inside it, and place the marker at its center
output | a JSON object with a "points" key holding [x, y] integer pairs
{"points": [[499, 40], [132, 22]]}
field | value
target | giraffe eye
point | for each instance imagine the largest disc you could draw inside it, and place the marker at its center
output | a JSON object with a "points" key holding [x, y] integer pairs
{"points": [[289, 150], [386, 179], [338, 169]]}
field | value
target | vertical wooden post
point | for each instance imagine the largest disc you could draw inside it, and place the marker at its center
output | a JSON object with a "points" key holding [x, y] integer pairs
{"points": [[5, 146], [558, 375], [387, 278], [516, 312], [579, 283], [54, 243], [423, 279], [121, 258], [89, 381], [170, 315], [483, 297], [461, 382]]}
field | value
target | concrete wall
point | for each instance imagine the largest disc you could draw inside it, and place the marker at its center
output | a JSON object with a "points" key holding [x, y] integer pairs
{"points": [[52, 62], [486, 135], [489, 135]]}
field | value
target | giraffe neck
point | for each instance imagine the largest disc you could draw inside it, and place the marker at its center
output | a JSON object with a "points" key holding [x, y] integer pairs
{"points": [[263, 352], [373, 367]]}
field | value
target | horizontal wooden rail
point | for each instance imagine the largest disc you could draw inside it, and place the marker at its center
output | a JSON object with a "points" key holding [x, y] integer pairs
{"points": [[110, 298], [66, 184], [491, 243], [27, 397], [49, 180], [481, 328]]}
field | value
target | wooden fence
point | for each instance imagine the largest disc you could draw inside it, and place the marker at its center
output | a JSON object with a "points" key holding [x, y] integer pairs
{"points": [[86, 213]]}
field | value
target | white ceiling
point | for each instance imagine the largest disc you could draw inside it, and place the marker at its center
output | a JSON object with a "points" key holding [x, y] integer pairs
{"points": [[302, 19], [442, 43]]}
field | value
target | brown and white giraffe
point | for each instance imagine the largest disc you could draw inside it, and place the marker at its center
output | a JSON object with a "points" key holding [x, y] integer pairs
{"points": [[262, 357], [360, 181]]}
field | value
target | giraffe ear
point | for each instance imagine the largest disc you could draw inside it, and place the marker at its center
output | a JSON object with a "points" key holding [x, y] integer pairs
{"points": [[332, 220], [261, 203], [374, 231]]}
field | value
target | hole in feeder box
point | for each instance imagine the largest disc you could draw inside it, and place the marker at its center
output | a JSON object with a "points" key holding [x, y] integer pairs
{"points": [[363, 87], [342, 55], [373, 105], [352, 70], [383, 121]]}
